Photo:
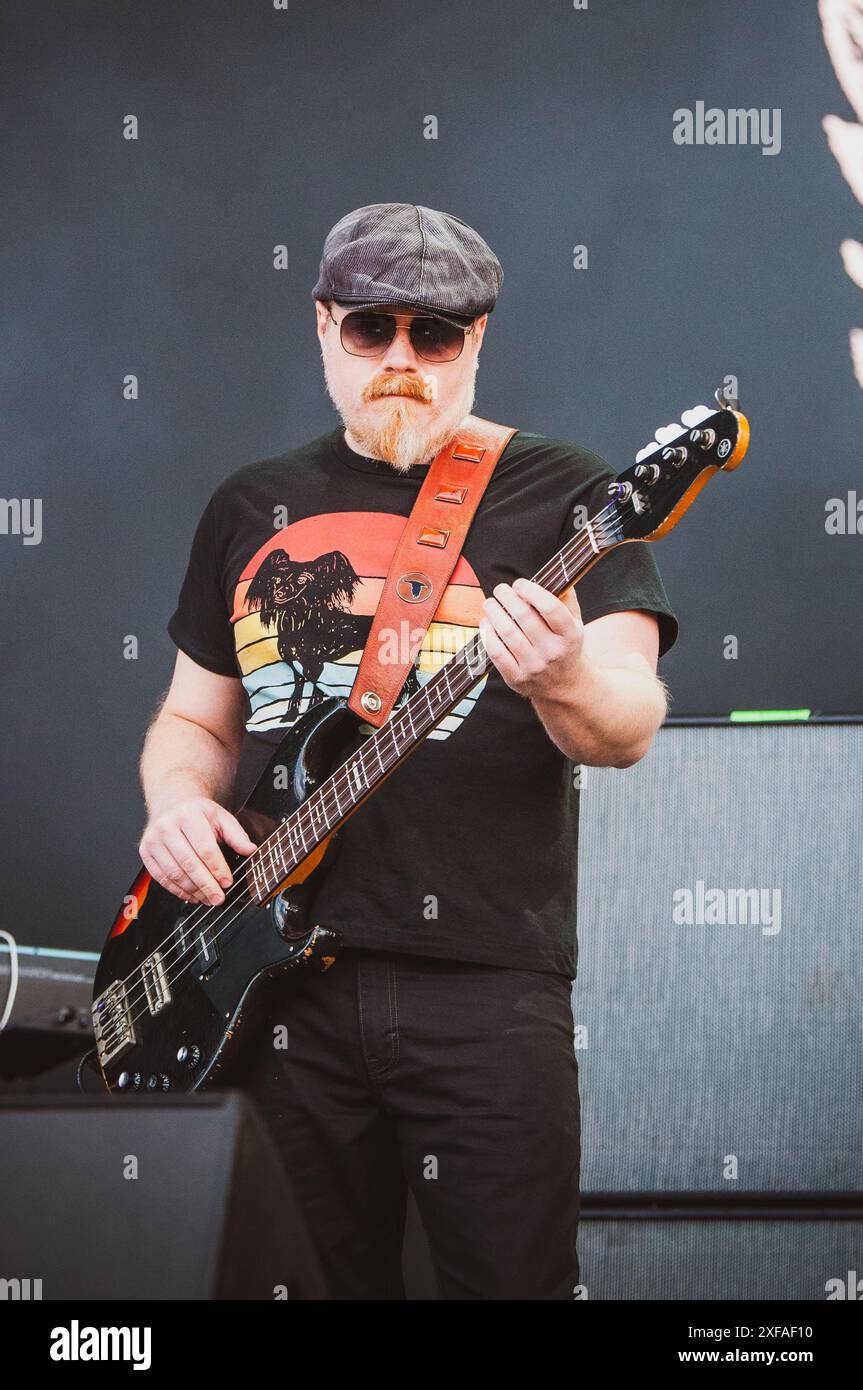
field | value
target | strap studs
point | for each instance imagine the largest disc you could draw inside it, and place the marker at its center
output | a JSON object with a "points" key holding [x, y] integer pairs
{"points": [[432, 535], [469, 453], [451, 494]]}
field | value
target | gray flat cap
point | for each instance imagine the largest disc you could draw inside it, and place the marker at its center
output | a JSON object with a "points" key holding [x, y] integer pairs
{"points": [[402, 253]]}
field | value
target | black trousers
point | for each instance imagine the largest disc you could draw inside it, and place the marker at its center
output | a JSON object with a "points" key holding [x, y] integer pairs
{"points": [[458, 1080]]}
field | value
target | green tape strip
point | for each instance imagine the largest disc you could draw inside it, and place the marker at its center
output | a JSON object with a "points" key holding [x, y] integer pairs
{"points": [[766, 716]]}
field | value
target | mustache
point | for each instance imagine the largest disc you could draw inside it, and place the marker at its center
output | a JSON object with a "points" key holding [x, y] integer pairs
{"points": [[398, 386]]}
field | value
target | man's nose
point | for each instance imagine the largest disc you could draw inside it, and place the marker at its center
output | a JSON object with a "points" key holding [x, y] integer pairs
{"points": [[400, 355]]}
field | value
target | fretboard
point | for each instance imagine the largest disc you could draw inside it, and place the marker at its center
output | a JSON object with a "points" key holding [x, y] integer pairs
{"points": [[330, 804]]}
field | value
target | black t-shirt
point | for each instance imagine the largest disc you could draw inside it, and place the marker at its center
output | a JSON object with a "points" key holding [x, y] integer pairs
{"points": [[468, 850]]}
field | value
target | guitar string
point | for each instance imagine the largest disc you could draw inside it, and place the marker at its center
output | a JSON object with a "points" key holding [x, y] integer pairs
{"points": [[239, 889], [581, 546]]}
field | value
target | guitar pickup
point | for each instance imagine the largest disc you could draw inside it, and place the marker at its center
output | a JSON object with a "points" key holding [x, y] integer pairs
{"points": [[206, 951], [155, 982]]}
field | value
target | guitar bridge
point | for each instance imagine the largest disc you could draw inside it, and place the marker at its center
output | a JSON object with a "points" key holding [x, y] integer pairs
{"points": [[155, 982], [112, 1023]]}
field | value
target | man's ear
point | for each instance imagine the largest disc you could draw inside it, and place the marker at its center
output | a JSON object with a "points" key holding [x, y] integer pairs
{"points": [[479, 330], [322, 317]]}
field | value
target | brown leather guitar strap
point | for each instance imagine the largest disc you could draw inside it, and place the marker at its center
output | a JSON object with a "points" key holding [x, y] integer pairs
{"points": [[423, 562]]}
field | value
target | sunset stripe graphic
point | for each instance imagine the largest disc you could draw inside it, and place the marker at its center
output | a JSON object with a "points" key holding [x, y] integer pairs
{"points": [[271, 663]]}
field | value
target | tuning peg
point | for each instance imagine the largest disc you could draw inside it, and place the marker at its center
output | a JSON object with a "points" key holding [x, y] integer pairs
{"points": [[676, 457], [620, 492], [648, 473], [705, 439]]}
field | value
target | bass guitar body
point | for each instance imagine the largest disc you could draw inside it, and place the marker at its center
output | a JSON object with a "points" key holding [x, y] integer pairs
{"points": [[175, 980]]}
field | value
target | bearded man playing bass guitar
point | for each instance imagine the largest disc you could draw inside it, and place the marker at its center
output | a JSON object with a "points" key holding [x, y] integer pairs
{"points": [[438, 1051]]}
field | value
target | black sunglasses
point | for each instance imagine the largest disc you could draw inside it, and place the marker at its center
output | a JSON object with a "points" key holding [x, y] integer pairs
{"points": [[367, 333]]}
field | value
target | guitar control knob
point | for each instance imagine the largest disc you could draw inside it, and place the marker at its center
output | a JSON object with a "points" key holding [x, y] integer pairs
{"points": [[137, 1081], [165, 1081], [152, 1082], [287, 917], [123, 1080], [188, 1056], [676, 457]]}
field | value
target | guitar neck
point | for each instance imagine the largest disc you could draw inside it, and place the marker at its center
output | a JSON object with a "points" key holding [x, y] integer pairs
{"points": [[338, 796]]}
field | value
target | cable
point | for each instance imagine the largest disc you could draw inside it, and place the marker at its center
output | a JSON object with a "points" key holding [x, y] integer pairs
{"points": [[81, 1064], [13, 977]]}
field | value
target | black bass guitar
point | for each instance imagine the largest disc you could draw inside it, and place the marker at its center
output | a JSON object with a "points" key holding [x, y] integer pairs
{"points": [[175, 980]]}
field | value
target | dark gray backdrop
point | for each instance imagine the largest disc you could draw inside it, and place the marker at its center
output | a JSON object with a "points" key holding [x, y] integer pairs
{"points": [[260, 127]]}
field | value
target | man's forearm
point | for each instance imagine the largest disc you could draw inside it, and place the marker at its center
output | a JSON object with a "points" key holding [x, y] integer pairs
{"points": [[180, 759], [609, 718]]}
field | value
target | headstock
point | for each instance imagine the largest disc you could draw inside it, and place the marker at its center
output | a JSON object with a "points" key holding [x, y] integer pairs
{"points": [[649, 498]]}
